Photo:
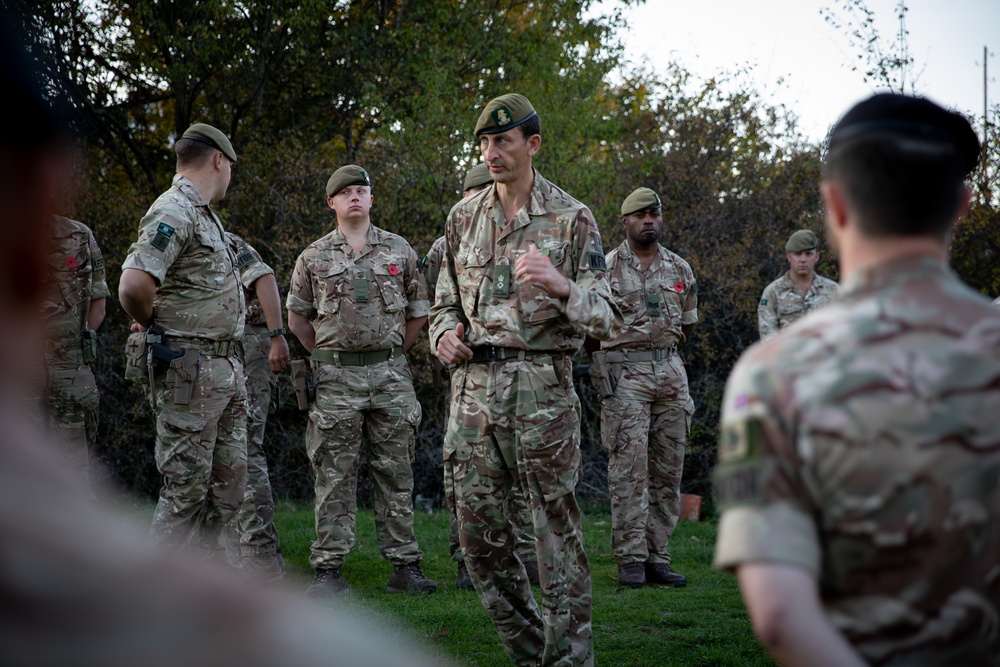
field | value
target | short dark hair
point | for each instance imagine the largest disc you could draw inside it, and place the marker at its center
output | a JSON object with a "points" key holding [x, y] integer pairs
{"points": [[531, 127], [193, 153], [898, 186]]}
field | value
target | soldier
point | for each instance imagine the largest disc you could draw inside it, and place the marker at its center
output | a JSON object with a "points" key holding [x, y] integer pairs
{"points": [[798, 290], [477, 179], [523, 280], [861, 448], [180, 284], [645, 405], [265, 353], [357, 302], [73, 308]]}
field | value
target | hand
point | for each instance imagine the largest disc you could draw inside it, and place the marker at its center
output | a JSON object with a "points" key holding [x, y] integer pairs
{"points": [[450, 348], [535, 267], [136, 327], [278, 358]]}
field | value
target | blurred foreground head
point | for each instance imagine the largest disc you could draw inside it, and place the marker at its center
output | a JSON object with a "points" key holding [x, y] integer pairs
{"points": [[79, 585]]}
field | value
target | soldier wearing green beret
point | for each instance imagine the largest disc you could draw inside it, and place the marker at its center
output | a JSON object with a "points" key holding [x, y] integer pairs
{"points": [[357, 302], [860, 449], [181, 276], [645, 404], [798, 291], [523, 280]]}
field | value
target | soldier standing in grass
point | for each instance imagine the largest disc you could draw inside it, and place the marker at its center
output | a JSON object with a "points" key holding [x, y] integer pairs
{"points": [[477, 179], [265, 353], [645, 405], [798, 291], [357, 302], [73, 307], [860, 449], [181, 277], [523, 280]]}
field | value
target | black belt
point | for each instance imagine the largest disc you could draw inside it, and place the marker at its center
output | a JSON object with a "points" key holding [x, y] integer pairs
{"points": [[216, 348], [485, 353], [354, 358], [620, 355]]}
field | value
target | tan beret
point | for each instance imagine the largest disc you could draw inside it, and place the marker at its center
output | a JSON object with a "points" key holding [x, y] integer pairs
{"points": [[207, 134], [801, 240], [478, 175], [350, 174], [503, 113], [640, 200]]}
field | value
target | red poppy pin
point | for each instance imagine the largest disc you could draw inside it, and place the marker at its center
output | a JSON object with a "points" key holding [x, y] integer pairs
{"points": [[71, 262], [678, 287], [393, 270]]}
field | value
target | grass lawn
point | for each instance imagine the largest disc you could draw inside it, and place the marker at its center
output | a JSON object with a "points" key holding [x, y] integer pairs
{"points": [[703, 624]]}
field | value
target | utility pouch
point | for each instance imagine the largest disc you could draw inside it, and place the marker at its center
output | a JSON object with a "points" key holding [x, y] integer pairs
{"points": [[88, 345], [182, 372], [600, 375], [302, 382], [136, 359]]}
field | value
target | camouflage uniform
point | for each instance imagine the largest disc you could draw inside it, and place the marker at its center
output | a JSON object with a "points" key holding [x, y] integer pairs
{"points": [[71, 397], [515, 419], [516, 506], [359, 303], [645, 422], [201, 445], [862, 446], [258, 537], [782, 303]]}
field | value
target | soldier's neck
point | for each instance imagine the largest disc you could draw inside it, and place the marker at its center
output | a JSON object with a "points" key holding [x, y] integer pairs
{"points": [[356, 232], [802, 284], [645, 254], [514, 196]]}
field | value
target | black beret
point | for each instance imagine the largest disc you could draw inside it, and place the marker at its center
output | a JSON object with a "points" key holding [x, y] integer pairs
{"points": [[910, 117]]}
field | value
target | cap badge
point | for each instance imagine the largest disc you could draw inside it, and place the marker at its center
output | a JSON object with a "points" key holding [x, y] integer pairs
{"points": [[501, 116]]}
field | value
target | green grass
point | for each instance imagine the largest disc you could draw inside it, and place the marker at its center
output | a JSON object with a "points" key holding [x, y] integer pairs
{"points": [[704, 624]]}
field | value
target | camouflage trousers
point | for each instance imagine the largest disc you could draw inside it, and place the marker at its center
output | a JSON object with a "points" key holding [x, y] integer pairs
{"points": [[201, 453], [516, 508], [71, 404], [517, 424], [375, 406], [258, 536], [644, 427]]}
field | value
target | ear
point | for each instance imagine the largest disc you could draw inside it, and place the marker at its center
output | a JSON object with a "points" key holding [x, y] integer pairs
{"points": [[534, 143], [836, 205], [329, 202], [217, 159]]}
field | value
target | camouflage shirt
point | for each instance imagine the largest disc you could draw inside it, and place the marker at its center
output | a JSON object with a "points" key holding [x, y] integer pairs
{"points": [[655, 302], [76, 279], [430, 265], [358, 302], [476, 285], [183, 246], [251, 267], [863, 445], [781, 303]]}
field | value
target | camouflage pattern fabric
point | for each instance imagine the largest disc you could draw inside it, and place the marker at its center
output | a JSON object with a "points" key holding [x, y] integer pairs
{"points": [[360, 302], [258, 536], [517, 510], [518, 422], [781, 303], [996, 301], [71, 398], [645, 422], [200, 446], [863, 445]]}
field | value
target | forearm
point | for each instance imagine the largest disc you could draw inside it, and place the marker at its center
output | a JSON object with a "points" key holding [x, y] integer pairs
{"points": [[136, 292], [303, 330], [413, 328], [266, 288], [98, 309]]}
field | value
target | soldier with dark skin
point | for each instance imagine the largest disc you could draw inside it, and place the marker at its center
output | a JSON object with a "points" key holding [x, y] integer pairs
{"points": [[860, 448]]}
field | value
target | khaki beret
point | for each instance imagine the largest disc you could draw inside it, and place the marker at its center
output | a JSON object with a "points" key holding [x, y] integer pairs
{"points": [[801, 240], [350, 174], [207, 134], [478, 175], [504, 112], [640, 200]]}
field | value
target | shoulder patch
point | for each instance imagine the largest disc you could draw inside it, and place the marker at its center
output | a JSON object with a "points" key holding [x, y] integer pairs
{"points": [[740, 440], [597, 262], [98, 264], [243, 259], [161, 240], [596, 236], [741, 484], [763, 302]]}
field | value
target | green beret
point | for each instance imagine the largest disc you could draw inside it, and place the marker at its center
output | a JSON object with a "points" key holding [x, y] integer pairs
{"points": [[207, 134], [351, 174], [640, 200], [801, 240], [504, 112], [913, 118], [478, 175]]}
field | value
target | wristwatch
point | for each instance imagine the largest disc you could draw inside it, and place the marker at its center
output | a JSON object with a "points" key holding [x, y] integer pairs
{"points": [[277, 332]]}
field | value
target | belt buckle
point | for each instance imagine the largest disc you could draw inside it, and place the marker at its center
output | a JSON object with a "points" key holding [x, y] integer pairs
{"points": [[493, 354], [658, 354]]}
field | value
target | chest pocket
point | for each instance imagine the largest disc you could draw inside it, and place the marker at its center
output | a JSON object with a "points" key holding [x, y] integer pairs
{"points": [[471, 264], [390, 286], [790, 304], [671, 301], [71, 270], [628, 295], [332, 283], [211, 259], [536, 303]]}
